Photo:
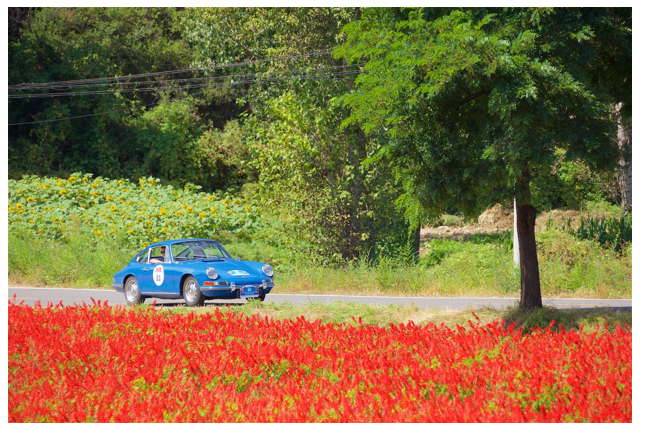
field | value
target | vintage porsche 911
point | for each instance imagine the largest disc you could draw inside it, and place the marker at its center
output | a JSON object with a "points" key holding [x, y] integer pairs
{"points": [[193, 270]]}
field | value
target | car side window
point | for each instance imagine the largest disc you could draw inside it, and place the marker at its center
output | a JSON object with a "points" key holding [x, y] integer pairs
{"points": [[143, 257], [157, 254]]}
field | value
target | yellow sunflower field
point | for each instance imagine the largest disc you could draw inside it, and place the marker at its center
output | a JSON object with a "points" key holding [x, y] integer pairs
{"points": [[141, 212]]}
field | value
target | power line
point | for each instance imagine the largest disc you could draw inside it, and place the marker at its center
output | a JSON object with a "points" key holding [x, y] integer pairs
{"points": [[84, 116], [109, 79], [200, 79], [327, 76], [154, 89]]}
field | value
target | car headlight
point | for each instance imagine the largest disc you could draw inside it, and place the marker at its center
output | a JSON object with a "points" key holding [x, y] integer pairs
{"points": [[267, 269], [212, 273]]}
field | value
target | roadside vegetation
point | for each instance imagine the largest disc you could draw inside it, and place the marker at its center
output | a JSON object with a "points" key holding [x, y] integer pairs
{"points": [[81, 237], [382, 315]]}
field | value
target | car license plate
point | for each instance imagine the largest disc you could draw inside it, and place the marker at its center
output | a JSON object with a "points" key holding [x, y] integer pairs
{"points": [[249, 291]]}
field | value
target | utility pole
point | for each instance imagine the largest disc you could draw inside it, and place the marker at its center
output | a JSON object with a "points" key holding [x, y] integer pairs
{"points": [[516, 244]]}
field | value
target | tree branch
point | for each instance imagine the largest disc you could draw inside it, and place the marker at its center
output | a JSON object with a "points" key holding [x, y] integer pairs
{"points": [[472, 97]]}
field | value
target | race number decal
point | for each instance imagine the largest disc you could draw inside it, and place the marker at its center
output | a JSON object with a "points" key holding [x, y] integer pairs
{"points": [[238, 273], [158, 275]]}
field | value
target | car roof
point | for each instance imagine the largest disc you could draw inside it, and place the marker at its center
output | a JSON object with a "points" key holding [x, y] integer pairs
{"points": [[168, 242]]}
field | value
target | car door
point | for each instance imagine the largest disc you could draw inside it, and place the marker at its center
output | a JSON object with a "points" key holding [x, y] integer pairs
{"points": [[157, 278]]}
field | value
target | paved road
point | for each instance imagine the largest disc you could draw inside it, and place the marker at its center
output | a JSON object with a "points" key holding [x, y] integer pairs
{"points": [[78, 296]]}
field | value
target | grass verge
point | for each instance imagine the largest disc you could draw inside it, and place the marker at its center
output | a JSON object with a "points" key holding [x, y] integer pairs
{"points": [[382, 315], [479, 267]]}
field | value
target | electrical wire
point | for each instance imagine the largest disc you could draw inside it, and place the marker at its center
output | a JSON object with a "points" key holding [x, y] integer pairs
{"points": [[221, 78], [328, 76], [155, 89], [223, 66], [84, 116]]}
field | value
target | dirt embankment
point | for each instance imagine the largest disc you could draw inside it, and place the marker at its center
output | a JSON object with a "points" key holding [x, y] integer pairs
{"points": [[497, 219]]}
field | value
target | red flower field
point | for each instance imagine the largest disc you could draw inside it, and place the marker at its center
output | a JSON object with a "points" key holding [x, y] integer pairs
{"points": [[103, 364]]}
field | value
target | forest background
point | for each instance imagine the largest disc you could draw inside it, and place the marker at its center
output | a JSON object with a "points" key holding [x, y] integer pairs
{"points": [[266, 141]]}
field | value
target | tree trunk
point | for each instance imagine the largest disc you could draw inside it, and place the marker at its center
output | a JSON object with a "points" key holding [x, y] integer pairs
{"points": [[624, 138], [415, 242], [530, 296]]}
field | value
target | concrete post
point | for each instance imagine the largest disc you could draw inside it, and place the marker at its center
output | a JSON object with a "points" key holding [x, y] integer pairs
{"points": [[516, 244]]}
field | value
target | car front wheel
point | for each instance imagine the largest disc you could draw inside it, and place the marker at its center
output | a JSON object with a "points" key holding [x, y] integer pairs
{"points": [[132, 292], [192, 294]]}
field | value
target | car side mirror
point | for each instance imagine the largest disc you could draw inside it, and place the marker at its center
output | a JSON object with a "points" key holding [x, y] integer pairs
{"points": [[238, 258]]}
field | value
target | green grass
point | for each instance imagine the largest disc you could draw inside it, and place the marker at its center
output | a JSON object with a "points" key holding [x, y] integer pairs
{"points": [[589, 319], [480, 266], [77, 261], [382, 315]]}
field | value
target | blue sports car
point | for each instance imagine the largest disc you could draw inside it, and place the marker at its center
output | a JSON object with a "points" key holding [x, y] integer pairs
{"points": [[193, 270]]}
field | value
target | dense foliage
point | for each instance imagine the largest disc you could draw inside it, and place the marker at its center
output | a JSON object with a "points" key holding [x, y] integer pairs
{"points": [[476, 101], [310, 170], [102, 364], [178, 137]]}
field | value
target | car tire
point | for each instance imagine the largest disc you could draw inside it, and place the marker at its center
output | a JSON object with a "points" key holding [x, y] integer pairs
{"points": [[191, 291], [132, 292]]}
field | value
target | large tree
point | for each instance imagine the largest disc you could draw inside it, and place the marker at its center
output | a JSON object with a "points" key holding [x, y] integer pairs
{"points": [[474, 102]]}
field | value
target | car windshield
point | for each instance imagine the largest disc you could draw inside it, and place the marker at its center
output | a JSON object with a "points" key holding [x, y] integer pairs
{"points": [[195, 250]]}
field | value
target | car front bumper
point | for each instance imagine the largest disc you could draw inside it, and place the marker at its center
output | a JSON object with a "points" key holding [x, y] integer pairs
{"points": [[222, 291]]}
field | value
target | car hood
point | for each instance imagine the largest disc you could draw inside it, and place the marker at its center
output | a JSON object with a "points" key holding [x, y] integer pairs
{"points": [[231, 269]]}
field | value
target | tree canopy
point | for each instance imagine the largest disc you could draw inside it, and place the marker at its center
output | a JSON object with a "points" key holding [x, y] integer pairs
{"points": [[472, 99]]}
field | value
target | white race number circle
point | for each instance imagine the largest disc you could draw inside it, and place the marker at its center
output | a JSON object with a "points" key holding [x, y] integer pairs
{"points": [[158, 275]]}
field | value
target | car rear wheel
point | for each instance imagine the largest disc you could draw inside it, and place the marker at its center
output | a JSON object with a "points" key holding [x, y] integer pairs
{"points": [[132, 292], [192, 294]]}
